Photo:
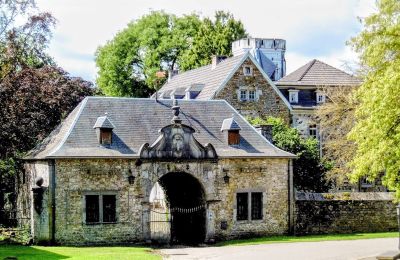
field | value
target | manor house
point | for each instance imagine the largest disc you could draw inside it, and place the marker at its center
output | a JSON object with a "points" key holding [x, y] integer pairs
{"points": [[254, 82]]}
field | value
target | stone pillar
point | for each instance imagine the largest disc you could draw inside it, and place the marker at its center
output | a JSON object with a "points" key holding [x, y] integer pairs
{"points": [[40, 209], [210, 223], [146, 221]]}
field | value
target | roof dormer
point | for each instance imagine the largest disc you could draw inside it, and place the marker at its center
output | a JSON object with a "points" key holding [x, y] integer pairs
{"points": [[104, 128], [293, 96], [232, 131]]}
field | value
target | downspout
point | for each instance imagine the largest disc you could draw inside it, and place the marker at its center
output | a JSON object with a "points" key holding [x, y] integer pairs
{"points": [[52, 184], [291, 198]]}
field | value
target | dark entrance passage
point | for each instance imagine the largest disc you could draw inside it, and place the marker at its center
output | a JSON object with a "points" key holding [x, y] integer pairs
{"points": [[186, 200]]}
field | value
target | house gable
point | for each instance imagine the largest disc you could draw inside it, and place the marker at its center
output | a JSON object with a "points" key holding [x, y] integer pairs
{"points": [[254, 94]]}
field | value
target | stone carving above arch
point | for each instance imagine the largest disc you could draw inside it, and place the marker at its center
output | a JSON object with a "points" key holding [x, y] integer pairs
{"points": [[176, 141]]}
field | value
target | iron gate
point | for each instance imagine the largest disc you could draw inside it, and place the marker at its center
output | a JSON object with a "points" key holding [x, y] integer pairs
{"points": [[160, 226]]}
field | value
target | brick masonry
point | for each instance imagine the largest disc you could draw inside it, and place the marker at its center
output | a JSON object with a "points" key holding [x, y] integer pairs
{"points": [[268, 104], [74, 178]]}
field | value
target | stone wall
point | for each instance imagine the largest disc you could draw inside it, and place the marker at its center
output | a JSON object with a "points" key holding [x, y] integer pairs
{"points": [[75, 177], [268, 104], [302, 122], [344, 213]]}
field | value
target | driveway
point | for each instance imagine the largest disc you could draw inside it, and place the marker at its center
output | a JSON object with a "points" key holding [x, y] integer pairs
{"points": [[329, 250]]}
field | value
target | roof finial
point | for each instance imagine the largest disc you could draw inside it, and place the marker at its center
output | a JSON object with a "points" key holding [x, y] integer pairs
{"points": [[176, 109]]}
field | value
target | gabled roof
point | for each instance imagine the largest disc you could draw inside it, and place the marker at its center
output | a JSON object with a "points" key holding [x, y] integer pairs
{"points": [[318, 73], [137, 121], [210, 78], [214, 80], [230, 124], [103, 122]]}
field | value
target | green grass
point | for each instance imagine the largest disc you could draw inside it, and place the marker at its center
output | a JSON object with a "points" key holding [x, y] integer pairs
{"points": [[311, 238], [87, 253]]}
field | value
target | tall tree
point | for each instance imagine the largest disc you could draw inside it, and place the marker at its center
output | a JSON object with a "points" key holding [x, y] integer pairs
{"points": [[128, 63], [308, 169], [377, 130], [336, 119], [23, 42], [213, 38]]}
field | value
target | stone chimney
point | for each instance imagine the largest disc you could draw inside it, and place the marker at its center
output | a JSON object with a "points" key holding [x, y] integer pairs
{"points": [[172, 73], [266, 131], [216, 59]]}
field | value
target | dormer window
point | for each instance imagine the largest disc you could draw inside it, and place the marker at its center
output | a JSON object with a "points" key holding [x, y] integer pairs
{"points": [[320, 98], [232, 131], [293, 95], [104, 128], [247, 70]]}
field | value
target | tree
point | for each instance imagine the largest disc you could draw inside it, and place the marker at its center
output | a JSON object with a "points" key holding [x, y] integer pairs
{"points": [[34, 94], [213, 38], [308, 169], [336, 119], [377, 128], [23, 44], [128, 63]]}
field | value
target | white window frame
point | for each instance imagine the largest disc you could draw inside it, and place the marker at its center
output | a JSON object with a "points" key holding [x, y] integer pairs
{"points": [[243, 91], [320, 98], [293, 96], [252, 94], [250, 73], [313, 128]]}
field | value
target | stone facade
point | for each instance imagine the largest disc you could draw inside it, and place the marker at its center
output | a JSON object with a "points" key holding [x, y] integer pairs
{"points": [[302, 120], [267, 101], [74, 178], [345, 213]]}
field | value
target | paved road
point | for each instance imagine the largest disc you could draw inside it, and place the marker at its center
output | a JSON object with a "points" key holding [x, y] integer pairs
{"points": [[329, 250]]}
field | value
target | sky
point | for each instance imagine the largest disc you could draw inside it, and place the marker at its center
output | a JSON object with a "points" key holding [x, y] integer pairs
{"points": [[313, 29]]}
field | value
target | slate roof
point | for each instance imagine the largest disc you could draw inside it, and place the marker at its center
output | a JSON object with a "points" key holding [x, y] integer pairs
{"points": [[212, 79], [103, 122], [318, 73], [137, 121], [230, 124]]}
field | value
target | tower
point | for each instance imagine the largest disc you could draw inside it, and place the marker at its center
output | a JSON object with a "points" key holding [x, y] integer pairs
{"points": [[269, 53]]}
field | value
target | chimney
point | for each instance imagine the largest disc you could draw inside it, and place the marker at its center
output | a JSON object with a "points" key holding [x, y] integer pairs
{"points": [[266, 131], [216, 59], [172, 73]]}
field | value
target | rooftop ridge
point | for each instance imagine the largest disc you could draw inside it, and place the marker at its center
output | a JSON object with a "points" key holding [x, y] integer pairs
{"points": [[306, 71]]}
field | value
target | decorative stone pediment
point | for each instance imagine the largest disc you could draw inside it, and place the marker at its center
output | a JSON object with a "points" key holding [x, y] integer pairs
{"points": [[176, 141]]}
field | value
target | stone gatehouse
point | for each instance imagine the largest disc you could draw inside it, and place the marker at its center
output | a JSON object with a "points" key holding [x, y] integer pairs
{"points": [[124, 170]]}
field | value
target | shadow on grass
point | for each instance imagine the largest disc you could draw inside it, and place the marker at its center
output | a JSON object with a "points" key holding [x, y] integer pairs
{"points": [[27, 252]]}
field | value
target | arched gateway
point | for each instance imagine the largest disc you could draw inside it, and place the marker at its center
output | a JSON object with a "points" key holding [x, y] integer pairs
{"points": [[183, 214]]}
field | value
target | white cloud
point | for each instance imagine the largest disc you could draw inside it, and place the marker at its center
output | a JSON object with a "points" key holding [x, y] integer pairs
{"points": [[311, 27]]}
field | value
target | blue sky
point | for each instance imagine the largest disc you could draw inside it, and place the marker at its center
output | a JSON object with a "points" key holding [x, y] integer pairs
{"points": [[312, 28]]}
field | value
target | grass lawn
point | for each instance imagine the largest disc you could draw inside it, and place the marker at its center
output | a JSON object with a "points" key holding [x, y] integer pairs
{"points": [[55, 252], [311, 238]]}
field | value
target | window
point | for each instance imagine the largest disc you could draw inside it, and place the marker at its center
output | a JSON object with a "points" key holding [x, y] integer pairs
{"points": [[233, 137], [320, 98], [252, 95], [312, 131], [247, 71], [256, 205], [243, 209], [293, 96], [105, 136], [100, 208], [243, 95]]}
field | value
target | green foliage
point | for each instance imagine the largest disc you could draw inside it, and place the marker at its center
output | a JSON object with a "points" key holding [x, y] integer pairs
{"points": [[377, 131], [161, 42], [308, 169]]}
